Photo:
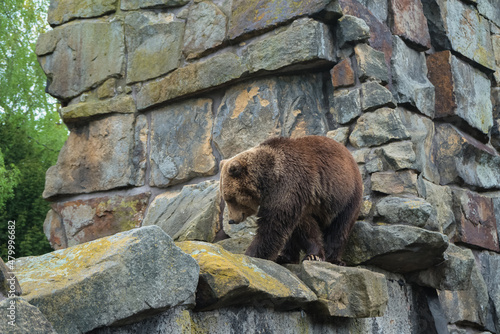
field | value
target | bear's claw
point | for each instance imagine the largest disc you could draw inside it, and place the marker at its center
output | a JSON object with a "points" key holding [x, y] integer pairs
{"points": [[312, 257]]}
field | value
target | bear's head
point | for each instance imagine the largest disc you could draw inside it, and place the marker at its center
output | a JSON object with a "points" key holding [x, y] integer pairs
{"points": [[238, 187]]}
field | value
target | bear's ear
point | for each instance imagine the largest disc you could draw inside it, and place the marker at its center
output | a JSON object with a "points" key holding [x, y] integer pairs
{"points": [[235, 168]]}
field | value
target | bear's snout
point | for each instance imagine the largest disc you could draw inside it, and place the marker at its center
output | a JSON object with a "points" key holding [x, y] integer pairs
{"points": [[232, 222]]}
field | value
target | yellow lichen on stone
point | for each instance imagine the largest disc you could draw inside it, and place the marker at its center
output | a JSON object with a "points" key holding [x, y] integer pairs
{"points": [[232, 270], [67, 266]]}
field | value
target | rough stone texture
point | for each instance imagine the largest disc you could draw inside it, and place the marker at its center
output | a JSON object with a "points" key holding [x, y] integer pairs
{"points": [[460, 90], [136, 4], [441, 199], [174, 156], [490, 270], [346, 105], [371, 64], [453, 274], [192, 214], [122, 104], [396, 248], [9, 285], [80, 167], [404, 210], [409, 23], [475, 219], [409, 74], [117, 278], [154, 44], [61, 11], [205, 29], [87, 220], [343, 74], [458, 156], [54, 230], [81, 55], [252, 112], [495, 134], [467, 306], [495, 40], [374, 96], [305, 40], [378, 8], [455, 25], [25, 318], [395, 183], [227, 279], [344, 291], [378, 127], [252, 16], [352, 29], [341, 135], [490, 10], [397, 155]]}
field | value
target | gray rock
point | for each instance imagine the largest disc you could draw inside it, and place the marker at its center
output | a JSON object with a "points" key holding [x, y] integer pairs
{"points": [[114, 279], [122, 104], [81, 55], [404, 210], [490, 270], [396, 248], [374, 96], [304, 40], [61, 11], [441, 199], [371, 64], [344, 291], [459, 156], [213, 72], [490, 10], [230, 279], [192, 214], [252, 112], [378, 127], [154, 43], [453, 274], [346, 105], [341, 135], [84, 220], [409, 74], [398, 155], [352, 29], [205, 29], [236, 245], [467, 306], [460, 90], [136, 4], [450, 23], [395, 183], [20, 317], [174, 156], [81, 168], [249, 17], [377, 8], [495, 134]]}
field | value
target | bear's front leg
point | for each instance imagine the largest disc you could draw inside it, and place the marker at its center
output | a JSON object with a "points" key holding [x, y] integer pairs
{"points": [[272, 235]]}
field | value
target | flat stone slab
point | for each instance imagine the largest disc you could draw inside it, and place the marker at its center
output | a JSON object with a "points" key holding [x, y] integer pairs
{"points": [[228, 279], [114, 279], [395, 248], [344, 291]]}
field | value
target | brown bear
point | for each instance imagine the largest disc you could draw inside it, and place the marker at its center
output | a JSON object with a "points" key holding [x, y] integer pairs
{"points": [[306, 193]]}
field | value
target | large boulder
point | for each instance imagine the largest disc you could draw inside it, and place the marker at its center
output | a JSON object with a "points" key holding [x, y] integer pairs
{"points": [[228, 279], [396, 248], [344, 291], [192, 214], [116, 279]]}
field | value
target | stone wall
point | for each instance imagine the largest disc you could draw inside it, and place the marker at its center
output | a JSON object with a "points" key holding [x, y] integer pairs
{"points": [[157, 92]]}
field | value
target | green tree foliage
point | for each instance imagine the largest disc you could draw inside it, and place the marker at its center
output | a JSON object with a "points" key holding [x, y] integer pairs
{"points": [[31, 133]]}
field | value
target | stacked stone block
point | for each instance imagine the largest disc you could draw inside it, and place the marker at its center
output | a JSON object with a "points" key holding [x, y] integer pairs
{"points": [[156, 93]]}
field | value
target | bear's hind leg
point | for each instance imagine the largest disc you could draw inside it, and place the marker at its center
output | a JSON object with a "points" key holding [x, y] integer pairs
{"points": [[291, 252], [311, 240], [337, 234]]}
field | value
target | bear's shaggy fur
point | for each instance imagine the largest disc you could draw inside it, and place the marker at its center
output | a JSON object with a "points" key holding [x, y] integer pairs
{"points": [[306, 193]]}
